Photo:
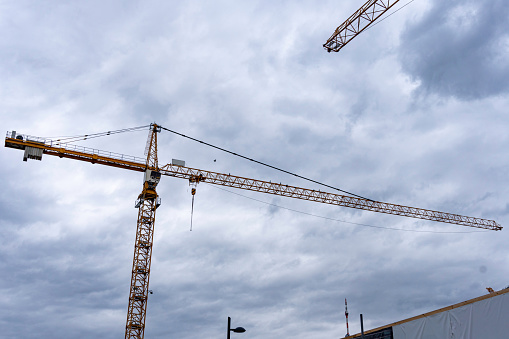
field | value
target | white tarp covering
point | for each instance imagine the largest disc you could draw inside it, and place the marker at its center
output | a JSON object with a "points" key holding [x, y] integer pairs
{"points": [[485, 319]]}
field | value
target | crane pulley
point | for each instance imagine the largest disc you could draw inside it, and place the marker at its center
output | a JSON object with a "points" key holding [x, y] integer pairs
{"points": [[148, 201]]}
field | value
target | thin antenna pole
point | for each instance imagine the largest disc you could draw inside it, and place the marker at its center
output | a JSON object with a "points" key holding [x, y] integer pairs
{"points": [[346, 315]]}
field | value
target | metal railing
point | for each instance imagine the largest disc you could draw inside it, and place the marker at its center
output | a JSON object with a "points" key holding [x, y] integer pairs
{"points": [[75, 148]]}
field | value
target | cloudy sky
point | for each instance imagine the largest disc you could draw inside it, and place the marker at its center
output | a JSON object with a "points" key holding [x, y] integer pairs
{"points": [[413, 112]]}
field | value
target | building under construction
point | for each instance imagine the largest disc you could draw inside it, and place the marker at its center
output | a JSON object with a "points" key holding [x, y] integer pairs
{"points": [[485, 317]]}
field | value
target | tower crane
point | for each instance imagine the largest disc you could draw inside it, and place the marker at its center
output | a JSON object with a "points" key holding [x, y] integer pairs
{"points": [[148, 201], [357, 22]]}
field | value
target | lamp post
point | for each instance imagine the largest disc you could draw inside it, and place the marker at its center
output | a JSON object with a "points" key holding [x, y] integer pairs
{"points": [[362, 327], [236, 330]]}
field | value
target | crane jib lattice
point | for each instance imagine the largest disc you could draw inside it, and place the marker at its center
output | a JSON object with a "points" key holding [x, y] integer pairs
{"points": [[139, 164]]}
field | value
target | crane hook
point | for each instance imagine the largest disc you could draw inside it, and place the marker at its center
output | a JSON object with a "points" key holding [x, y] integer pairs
{"points": [[193, 192]]}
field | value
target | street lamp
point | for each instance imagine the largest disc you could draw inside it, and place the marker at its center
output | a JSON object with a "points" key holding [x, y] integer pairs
{"points": [[236, 330]]}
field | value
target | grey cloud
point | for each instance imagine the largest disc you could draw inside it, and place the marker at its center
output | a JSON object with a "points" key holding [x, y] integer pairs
{"points": [[256, 82], [459, 48]]}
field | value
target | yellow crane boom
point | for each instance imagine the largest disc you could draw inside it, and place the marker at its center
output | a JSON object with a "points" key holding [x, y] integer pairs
{"points": [[148, 201], [356, 23], [198, 175]]}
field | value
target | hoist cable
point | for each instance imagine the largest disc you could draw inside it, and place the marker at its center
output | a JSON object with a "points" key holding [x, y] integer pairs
{"points": [[399, 9], [70, 139], [339, 220], [264, 164], [192, 210]]}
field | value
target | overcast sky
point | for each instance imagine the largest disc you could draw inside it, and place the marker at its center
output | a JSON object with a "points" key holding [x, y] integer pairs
{"points": [[412, 112]]}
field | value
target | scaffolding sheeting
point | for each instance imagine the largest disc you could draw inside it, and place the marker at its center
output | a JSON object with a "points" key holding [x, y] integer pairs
{"points": [[482, 317], [486, 318]]}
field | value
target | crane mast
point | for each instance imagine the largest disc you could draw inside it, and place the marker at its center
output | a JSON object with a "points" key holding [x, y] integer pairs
{"points": [[148, 201]]}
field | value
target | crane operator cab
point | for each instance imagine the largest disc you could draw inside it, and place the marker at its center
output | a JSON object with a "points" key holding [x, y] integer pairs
{"points": [[149, 189], [152, 178]]}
